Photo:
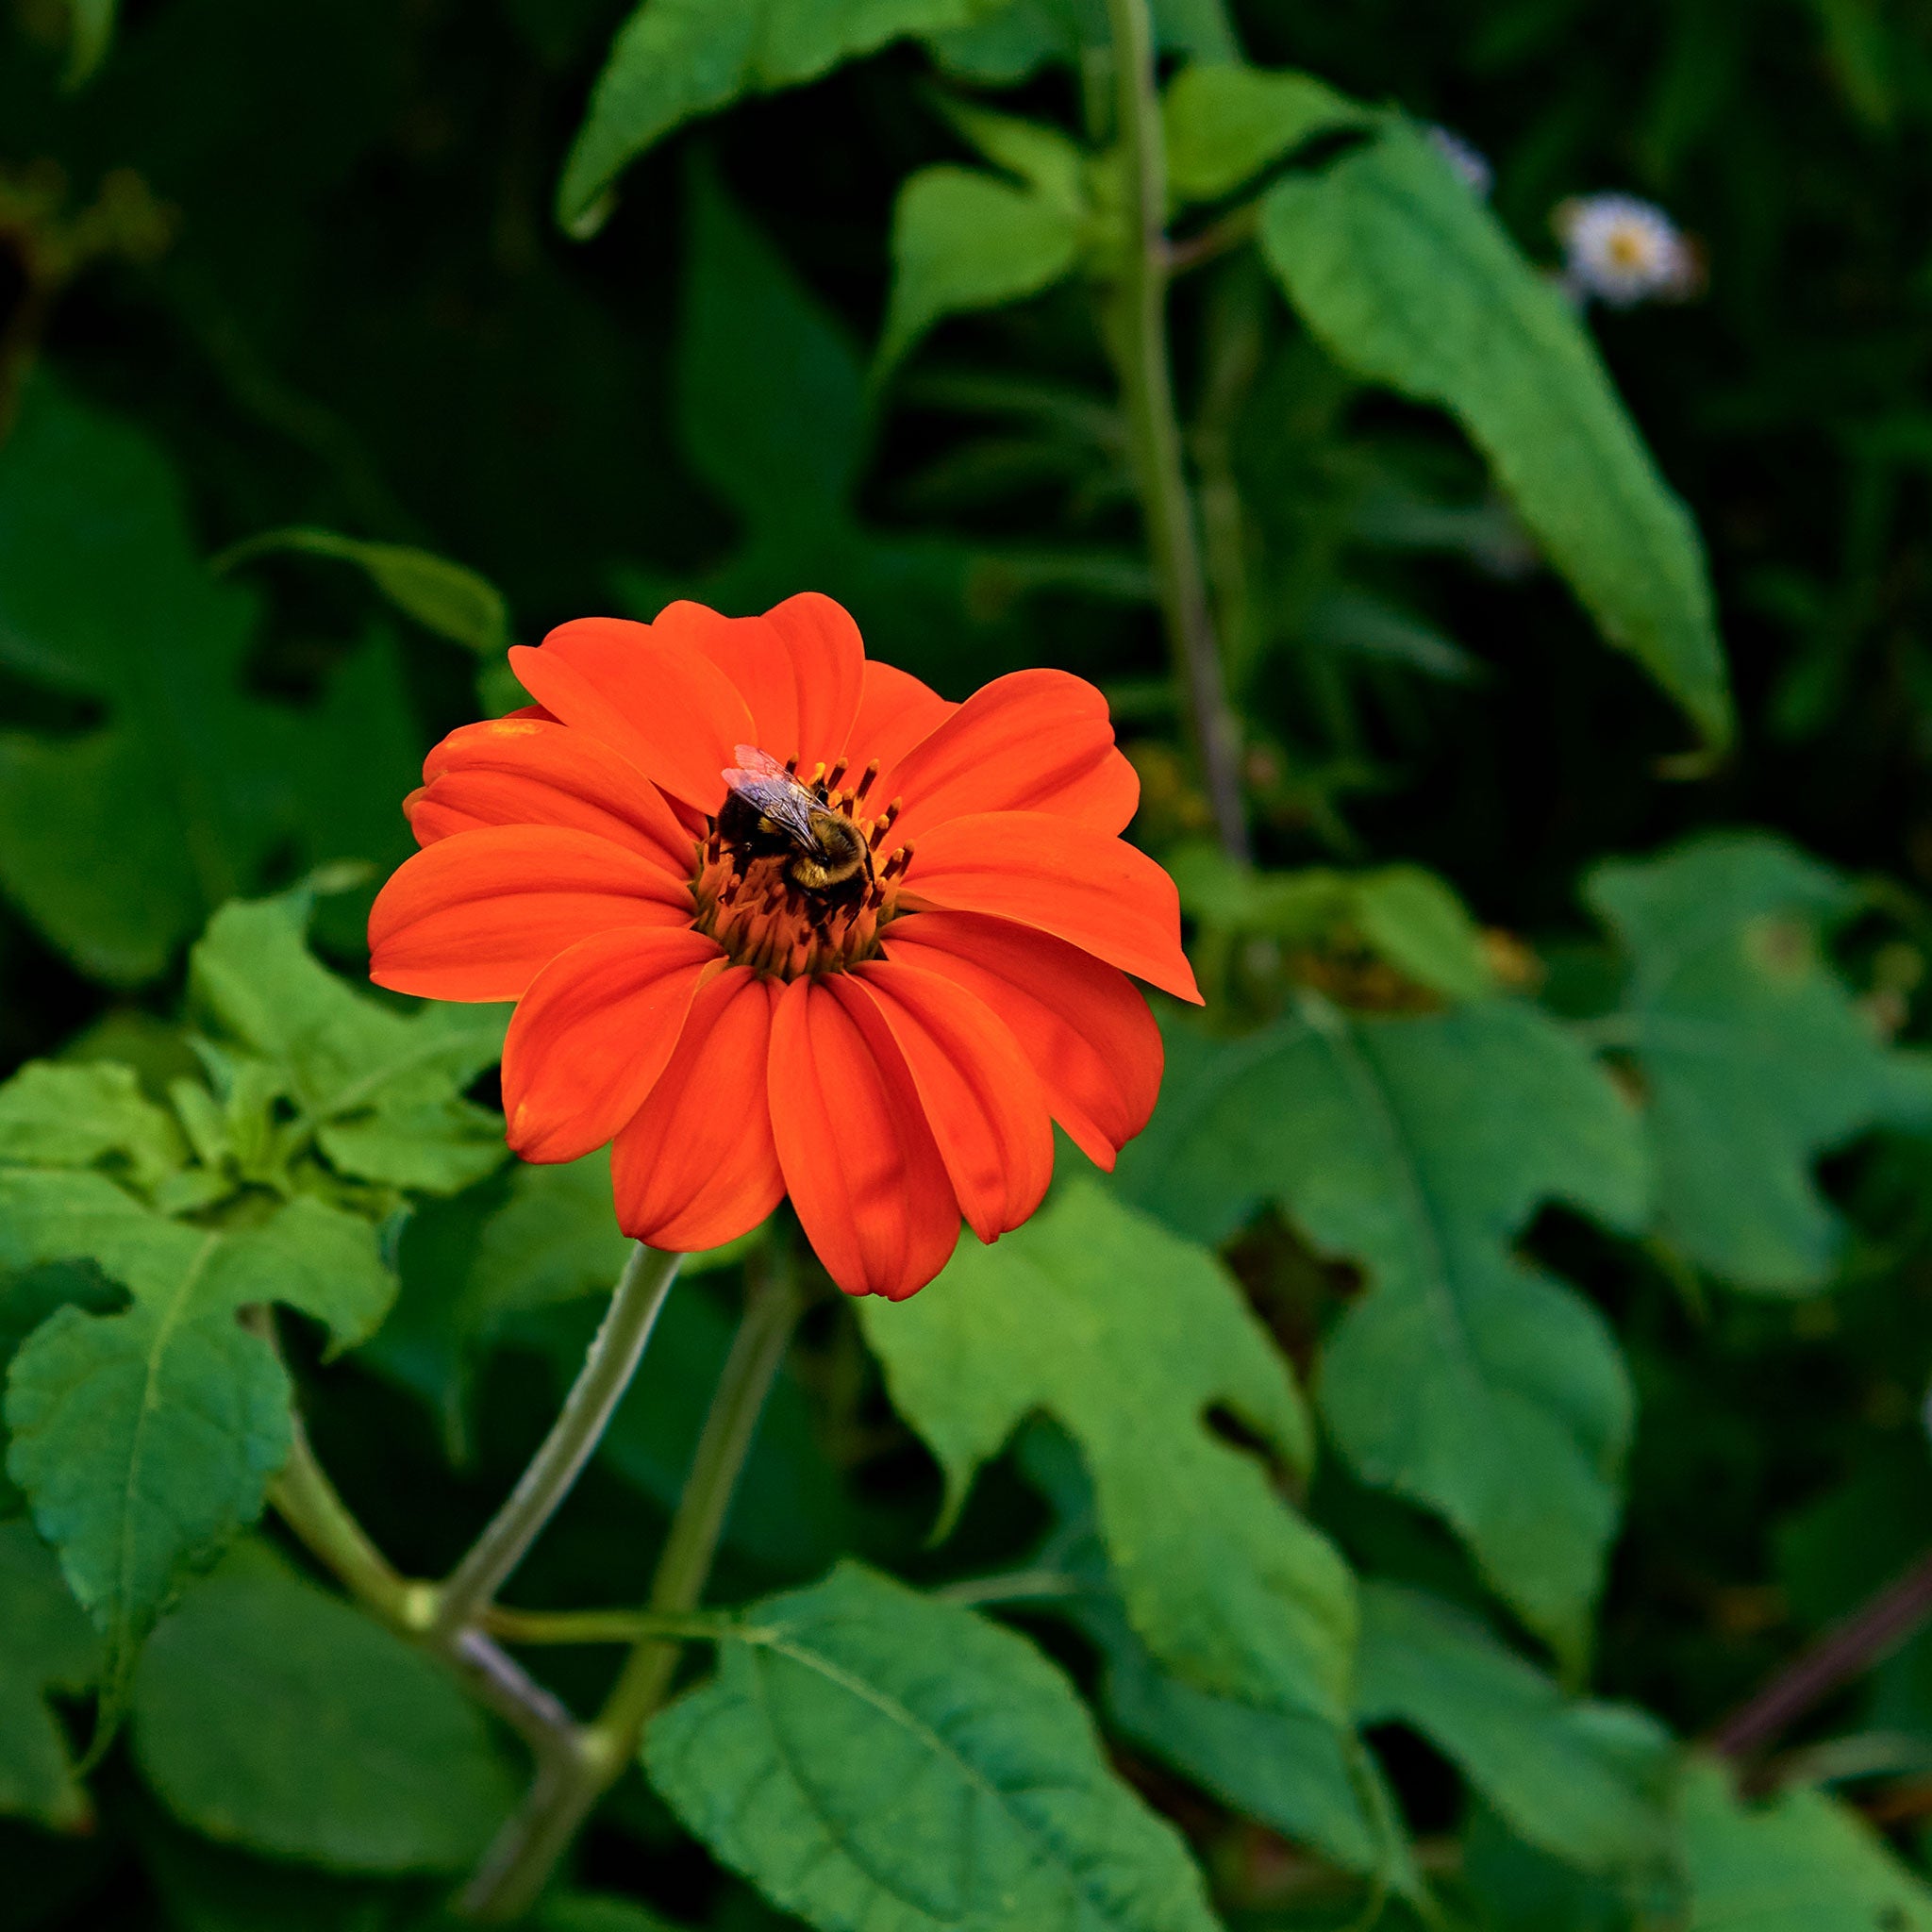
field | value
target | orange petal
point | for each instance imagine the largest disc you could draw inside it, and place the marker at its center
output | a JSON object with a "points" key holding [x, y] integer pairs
{"points": [[479, 915], [799, 668], [1061, 878], [983, 1102], [697, 1167], [1083, 1026], [589, 1037], [860, 1163], [667, 708], [895, 711], [528, 770], [1034, 741]]}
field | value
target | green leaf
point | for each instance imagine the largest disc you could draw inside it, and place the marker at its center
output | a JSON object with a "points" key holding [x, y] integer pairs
{"points": [[1035, 152], [1419, 1149], [963, 239], [118, 840], [1224, 125], [1585, 1781], [1305, 1777], [27, 1300], [1423, 929], [871, 1759], [54, 1115], [144, 1440], [1408, 280], [1407, 917], [1127, 1336], [47, 1647], [444, 597], [313, 1256], [1199, 29], [1801, 1862], [676, 59], [1015, 42], [1308, 1779], [379, 1089], [270, 1715], [1754, 1060], [134, 1497], [89, 34]]}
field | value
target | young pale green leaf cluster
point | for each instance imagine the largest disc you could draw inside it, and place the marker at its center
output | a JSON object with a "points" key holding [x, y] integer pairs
{"points": [[143, 1421]]}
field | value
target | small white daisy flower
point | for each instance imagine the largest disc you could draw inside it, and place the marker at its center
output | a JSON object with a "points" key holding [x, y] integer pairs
{"points": [[1470, 165], [1623, 251]]}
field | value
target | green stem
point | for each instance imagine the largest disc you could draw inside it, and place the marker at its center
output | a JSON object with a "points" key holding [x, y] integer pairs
{"points": [[587, 1410], [519, 1864], [624, 1627], [1140, 330], [1011, 1587]]}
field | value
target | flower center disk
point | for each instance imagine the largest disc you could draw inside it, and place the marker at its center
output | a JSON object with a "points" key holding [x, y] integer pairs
{"points": [[792, 876]]}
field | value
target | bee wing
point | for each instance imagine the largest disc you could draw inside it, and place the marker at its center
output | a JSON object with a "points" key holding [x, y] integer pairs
{"points": [[764, 784], [753, 763]]}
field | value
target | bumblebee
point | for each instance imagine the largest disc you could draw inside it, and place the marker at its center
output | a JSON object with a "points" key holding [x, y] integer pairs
{"points": [[771, 813]]}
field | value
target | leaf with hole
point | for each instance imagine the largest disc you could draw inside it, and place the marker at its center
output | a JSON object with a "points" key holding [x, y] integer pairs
{"points": [[1127, 1337], [1464, 1376]]}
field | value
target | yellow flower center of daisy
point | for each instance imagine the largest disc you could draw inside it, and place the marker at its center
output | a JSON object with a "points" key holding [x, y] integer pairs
{"points": [[1629, 247], [791, 876]]}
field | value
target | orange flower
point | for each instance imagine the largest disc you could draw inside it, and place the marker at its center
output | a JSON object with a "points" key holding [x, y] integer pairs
{"points": [[872, 985]]}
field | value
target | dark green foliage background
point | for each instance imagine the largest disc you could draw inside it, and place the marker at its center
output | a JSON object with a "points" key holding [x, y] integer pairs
{"points": [[344, 303]]}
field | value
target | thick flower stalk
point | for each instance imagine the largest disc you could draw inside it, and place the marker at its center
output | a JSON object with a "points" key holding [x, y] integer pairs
{"points": [[780, 919]]}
